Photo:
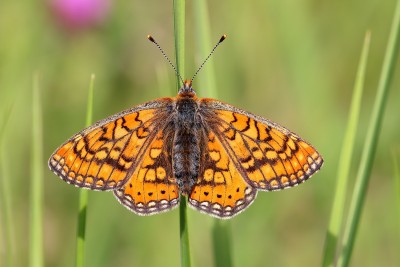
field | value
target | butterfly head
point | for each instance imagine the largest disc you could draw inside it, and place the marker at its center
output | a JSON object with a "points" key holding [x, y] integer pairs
{"points": [[186, 89]]}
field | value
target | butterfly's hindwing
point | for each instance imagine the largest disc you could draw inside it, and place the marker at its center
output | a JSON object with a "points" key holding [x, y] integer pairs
{"points": [[220, 189], [152, 188]]}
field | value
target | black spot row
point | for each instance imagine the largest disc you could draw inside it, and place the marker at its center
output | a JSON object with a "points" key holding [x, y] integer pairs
{"points": [[218, 195], [150, 193]]}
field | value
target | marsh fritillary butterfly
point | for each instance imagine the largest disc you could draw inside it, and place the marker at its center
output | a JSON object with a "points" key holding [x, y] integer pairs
{"points": [[216, 154]]}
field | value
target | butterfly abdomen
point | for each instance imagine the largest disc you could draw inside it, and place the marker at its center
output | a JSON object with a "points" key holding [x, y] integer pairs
{"points": [[186, 148]]}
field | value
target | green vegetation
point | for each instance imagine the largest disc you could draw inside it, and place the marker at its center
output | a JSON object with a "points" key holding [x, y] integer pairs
{"points": [[84, 194], [338, 208], [292, 62]]}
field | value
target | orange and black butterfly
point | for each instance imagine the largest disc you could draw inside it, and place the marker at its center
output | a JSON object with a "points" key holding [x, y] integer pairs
{"points": [[217, 155]]}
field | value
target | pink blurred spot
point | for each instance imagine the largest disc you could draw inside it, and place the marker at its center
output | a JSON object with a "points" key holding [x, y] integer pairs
{"points": [[80, 14]]}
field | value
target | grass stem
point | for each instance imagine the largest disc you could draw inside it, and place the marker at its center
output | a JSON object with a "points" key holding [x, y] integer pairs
{"points": [[5, 196], [222, 246], [83, 193], [36, 193], [371, 141], [221, 235], [396, 174], [184, 234], [338, 207], [179, 33], [204, 44]]}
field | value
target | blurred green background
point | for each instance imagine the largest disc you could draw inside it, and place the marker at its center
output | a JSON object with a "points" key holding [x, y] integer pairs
{"points": [[293, 62]]}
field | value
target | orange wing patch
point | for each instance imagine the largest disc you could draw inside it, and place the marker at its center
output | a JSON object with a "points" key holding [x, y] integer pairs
{"points": [[103, 156], [269, 156], [220, 190], [151, 188]]}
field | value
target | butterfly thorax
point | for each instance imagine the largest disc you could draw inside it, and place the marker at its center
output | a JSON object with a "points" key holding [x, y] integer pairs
{"points": [[186, 143]]}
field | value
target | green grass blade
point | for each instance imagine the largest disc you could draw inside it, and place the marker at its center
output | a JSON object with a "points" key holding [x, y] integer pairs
{"points": [[7, 114], [204, 45], [89, 108], [6, 214], [337, 212], [222, 243], [83, 193], [179, 32], [368, 154], [396, 174], [5, 197], [184, 233], [36, 193], [221, 237]]}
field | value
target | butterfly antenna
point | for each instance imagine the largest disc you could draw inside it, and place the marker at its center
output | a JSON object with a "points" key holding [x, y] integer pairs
{"points": [[223, 37], [151, 39]]}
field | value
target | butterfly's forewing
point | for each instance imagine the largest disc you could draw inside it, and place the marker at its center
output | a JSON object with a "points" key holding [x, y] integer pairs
{"points": [[220, 190], [268, 156], [151, 188], [104, 155]]}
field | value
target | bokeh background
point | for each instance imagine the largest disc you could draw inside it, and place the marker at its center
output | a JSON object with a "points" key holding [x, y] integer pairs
{"points": [[293, 62]]}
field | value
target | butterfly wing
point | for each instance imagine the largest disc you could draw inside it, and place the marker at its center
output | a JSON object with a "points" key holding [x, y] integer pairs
{"points": [[267, 155], [220, 190], [105, 155], [152, 188]]}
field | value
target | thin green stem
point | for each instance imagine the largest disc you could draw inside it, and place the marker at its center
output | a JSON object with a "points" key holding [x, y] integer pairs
{"points": [[179, 32], [184, 233], [221, 236], [5, 196], [338, 207], [371, 141], [83, 194], [396, 174], [89, 108], [204, 44], [36, 194], [4, 122], [222, 243]]}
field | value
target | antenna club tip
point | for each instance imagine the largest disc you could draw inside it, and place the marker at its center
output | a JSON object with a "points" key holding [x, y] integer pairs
{"points": [[223, 37], [151, 39]]}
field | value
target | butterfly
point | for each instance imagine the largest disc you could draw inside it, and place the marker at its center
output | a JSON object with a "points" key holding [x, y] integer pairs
{"points": [[217, 155]]}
